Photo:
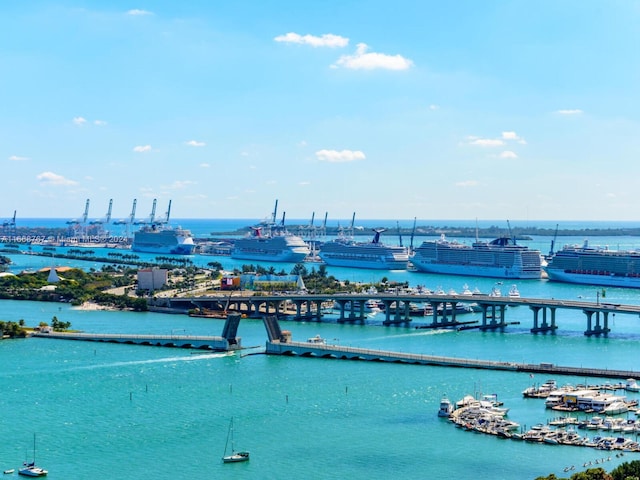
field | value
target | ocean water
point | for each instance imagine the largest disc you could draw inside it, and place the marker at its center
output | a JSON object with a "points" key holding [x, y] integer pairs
{"points": [[124, 411]]}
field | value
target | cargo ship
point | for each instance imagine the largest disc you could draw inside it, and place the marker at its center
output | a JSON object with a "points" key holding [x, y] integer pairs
{"points": [[499, 258], [595, 266]]}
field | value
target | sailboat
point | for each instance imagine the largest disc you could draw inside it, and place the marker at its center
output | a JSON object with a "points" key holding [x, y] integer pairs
{"points": [[30, 469], [235, 456]]}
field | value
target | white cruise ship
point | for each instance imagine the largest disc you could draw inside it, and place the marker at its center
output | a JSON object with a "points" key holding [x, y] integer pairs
{"points": [[344, 252], [277, 245], [160, 239], [500, 258], [595, 266]]}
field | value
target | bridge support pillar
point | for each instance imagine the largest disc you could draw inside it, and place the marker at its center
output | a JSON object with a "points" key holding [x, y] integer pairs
{"points": [[545, 326], [597, 329], [495, 314]]}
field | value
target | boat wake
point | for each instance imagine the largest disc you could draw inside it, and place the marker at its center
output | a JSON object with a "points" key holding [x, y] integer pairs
{"points": [[190, 358]]}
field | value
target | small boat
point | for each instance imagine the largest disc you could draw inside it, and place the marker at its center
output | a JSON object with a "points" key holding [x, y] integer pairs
{"points": [[446, 408], [31, 469], [632, 385], [9, 471], [514, 292], [236, 455], [318, 340]]}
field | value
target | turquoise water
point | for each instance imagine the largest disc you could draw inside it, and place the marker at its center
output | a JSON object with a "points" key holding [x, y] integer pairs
{"points": [[124, 412]]}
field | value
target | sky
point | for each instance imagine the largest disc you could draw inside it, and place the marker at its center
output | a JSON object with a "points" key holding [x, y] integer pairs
{"points": [[493, 109]]}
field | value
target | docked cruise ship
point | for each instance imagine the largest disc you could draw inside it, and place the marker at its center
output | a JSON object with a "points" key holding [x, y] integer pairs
{"points": [[276, 245], [344, 252], [499, 258], [157, 236], [595, 266], [162, 239]]}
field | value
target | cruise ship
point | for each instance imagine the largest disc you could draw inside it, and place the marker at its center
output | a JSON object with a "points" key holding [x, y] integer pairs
{"points": [[157, 236], [276, 245], [269, 242], [162, 239], [595, 266], [499, 258], [345, 252]]}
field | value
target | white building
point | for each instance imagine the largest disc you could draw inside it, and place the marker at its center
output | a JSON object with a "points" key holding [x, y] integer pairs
{"points": [[152, 278]]}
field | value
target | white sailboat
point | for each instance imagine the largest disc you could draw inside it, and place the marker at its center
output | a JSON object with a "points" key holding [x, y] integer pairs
{"points": [[236, 455], [30, 469]]}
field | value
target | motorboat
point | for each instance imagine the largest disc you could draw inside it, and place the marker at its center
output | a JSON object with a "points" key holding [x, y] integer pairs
{"points": [[446, 408], [631, 385]]}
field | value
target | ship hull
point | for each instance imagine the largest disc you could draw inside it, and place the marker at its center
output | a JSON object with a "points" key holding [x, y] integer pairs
{"points": [[184, 249], [370, 264], [591, 279], [281, 248], [475, 270], [166, 241], [292, 257]]}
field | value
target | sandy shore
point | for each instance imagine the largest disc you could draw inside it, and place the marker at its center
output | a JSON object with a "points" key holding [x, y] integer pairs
{"points": [[93, 306]]}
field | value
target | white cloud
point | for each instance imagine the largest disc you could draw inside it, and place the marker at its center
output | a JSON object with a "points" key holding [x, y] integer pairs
{"points": [[137, 11], [99, 123], [508, 154], [362, 60], [142, 148], [205, 165], [575, 111], [326, 40], [335, 156], [79, 120], [180, 184], [16, 158], [485, 142], [467, 183], [50, 178], [304, 182], [513, 136], [195, 143], [433, 107]]}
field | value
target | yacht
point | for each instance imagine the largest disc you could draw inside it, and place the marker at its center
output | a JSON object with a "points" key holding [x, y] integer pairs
{"points": [[446, 408]]}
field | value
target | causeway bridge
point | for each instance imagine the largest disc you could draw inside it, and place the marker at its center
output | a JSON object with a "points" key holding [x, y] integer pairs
{"points": [[398, 308], [279, 342]]}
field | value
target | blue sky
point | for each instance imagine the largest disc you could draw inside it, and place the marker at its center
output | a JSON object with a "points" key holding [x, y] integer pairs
{"points": [[430, 109]]}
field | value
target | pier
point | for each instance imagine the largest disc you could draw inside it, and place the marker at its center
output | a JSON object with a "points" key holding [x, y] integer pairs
{"points": [[544, 318]]}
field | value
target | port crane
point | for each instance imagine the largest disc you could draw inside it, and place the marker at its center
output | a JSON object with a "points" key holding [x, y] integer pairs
{"points": [[167, 214], [132, 216], [127, 222], [10, 224], [83, 219], [107, 217], [152, 216]]}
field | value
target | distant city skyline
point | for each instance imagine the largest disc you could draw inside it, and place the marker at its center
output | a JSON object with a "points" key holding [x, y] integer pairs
{"points": [[436, 110]]}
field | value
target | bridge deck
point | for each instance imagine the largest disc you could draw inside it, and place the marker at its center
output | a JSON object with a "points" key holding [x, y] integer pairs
{"points": [[305, 349]]}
